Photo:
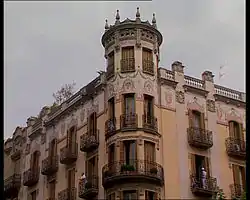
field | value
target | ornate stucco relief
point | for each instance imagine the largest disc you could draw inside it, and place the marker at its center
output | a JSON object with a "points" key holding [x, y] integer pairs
{"points": [[180, 97], [211, 105], [195, 104], [233, 115]]}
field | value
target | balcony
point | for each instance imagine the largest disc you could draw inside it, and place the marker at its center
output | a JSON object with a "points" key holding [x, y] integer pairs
{"points": [[203, 188], [236, 191], [89, 143], [69, 154], [110, 128], [127, 65], [50, 165], [12, 186], [200, 138], [148, 67], [16, 155], [142, 171], [236, 148], [31, 177], [89, 188], [67, 194], [129, 122], [149, 123]]}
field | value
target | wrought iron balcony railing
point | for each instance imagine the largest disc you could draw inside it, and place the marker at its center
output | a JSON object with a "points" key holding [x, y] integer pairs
{"points": [[129, 121], [12, 186], [205, 187], [236, 147], [237, 191], [49, 165], [110, 127], [89, 142], [67, 194], [69, 154], [132, 171], [31, 177], [127, 65], [150, 123], [200, 138], [88, 188], [148, 66]]}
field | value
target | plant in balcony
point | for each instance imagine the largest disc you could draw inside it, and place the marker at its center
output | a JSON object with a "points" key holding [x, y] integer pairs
{"points": [[154, 170], [88, 185], [127, 168], [220, 195]]}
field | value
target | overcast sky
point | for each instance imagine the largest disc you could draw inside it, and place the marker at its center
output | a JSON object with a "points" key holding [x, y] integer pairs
{"points": [[47, 44]]}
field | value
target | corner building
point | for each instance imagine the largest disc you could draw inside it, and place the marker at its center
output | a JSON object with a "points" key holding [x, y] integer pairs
{"points": [[138, 131]]}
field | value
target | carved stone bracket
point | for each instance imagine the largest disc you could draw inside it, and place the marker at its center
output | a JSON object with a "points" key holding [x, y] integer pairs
{"points": [[140, 140], [180, 97], [211, 105]]}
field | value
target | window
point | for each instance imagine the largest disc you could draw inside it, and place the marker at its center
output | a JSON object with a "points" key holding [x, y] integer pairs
{"points": [[92, 167], [52, 189], [33, 195], [111, 108], [52, 148], [150, 195], [128, 151], [111, 196], [71, 178], [129, 195], [111, 153], [92, 126], [148, 106], [239, 175], [149, 155], [196, 119], [111, 62], [147, 61], [35, 160], [71, 139], [235, 130], [128, 60], [129, 101]]}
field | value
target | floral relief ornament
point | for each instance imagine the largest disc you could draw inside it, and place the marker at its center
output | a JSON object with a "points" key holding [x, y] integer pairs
{"points": [[211, 105], [180, 97], [168, 98]]}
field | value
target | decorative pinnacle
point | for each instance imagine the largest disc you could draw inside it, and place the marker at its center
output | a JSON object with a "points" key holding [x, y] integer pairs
{"points": [[106, 24], [154, 20], [117, 17], [138, 13]]}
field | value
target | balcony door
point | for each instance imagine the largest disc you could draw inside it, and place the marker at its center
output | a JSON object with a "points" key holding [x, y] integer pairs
{"points": [[92, 167], [236, 130], [71, 178], [239, 176], [35, 160], [111, 156], [52, 149], [92, 124], [149, 155], [71, 139], [128, 152], [148, 109], [129, 107]]}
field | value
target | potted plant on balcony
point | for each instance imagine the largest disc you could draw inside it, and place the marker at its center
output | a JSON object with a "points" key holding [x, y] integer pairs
{"points": [[154, 170], [220, 195], [127, 168]]}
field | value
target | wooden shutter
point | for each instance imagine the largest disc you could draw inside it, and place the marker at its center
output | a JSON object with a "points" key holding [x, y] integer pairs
{"points": [[206, 166], [193, 168], [236, 174], [231, 129], [243, 175], [202, 121], [94, 123], [122, 151], [190, 118], [241, 133], [146, 195]]}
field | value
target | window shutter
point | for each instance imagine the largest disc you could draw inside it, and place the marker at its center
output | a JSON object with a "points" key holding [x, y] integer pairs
{"points": [[231, 129], [206, 166], [243, 175], [202, 120], [121, 151], [190, 118], [241, 131], [146, 195], [193, 169], [94, 123], [236, 174]]}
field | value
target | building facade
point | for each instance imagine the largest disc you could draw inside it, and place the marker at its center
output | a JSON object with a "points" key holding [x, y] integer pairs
{"points": [[138, 131]]}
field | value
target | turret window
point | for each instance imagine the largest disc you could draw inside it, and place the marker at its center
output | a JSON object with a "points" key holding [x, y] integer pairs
{"points": [[147, 61], [128, 60], [111, 65]]}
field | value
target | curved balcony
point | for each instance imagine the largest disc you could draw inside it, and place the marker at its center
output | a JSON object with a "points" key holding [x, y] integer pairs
{"points": [[69, 154], [88, 189], [129, 122], [89, 143], [12, 186], [237, 191], [49, 165], [67, 194], [200, 138], [110, 128], [127, 65], [236, 148], [139, 171], [148, 66], [31, 177], [149, 123], [203, 188]]}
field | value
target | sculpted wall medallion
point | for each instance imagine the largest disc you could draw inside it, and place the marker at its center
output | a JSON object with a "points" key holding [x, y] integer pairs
{"points": [[211, 105], [180, 97], [148, 87], [168, 98], [128, 85], [219, 112]]}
